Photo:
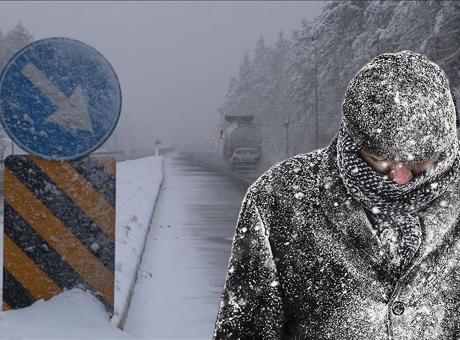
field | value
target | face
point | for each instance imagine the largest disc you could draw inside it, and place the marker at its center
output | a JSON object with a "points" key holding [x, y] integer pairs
{"points": [[401, 173]]}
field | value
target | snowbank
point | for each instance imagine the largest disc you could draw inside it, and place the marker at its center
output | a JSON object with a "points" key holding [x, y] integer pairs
{"points": [[73, 314], [138, 185]]}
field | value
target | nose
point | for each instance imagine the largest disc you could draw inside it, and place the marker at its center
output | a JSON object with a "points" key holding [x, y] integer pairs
{"points": [[400, 173]]}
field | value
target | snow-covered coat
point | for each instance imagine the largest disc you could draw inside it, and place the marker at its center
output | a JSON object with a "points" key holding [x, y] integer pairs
{"points": [[306, 264], [306, 261]]}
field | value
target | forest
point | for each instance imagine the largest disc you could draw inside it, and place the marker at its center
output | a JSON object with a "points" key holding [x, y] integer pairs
{"points": [[298, 82]]}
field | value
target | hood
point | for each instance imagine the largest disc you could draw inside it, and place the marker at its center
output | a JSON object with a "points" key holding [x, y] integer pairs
{"points": [[400, 106]]}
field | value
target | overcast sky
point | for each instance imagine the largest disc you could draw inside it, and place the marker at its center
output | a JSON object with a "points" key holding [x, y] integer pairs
{"points": [[174, 59]]}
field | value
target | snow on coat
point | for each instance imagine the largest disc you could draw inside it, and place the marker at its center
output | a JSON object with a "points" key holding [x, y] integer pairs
{"points": [[306, 264], [306, 261], [400, 106]]}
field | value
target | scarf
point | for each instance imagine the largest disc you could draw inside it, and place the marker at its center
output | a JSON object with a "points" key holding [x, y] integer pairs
{"points": [[393, 208]]}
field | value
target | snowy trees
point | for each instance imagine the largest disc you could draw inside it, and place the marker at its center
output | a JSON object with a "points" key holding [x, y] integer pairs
{"points": [[307, 74], [13, 41]]}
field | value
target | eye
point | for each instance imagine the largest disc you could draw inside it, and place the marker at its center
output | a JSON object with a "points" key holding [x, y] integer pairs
{"points": [[377, 158], [420, 167], [373, 157]]}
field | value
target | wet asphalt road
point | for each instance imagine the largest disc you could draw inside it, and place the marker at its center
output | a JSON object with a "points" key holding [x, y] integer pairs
{"points": [[181, 277]]}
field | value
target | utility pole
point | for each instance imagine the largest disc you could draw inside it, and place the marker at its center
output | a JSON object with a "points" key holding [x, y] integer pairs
{"points": [[316, 93], [378, 14], [377, 39], [316, 100], [286, 124]]}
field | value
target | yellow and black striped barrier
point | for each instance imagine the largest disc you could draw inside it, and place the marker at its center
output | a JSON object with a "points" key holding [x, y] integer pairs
{"points": [[59, 229]]}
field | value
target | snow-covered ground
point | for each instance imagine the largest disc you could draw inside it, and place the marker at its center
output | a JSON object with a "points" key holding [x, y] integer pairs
{"points": [[71, 315], [76, 314], [138, 184]]}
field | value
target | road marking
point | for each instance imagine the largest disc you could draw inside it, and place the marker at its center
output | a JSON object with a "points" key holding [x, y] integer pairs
{"points": [[72, 112]]}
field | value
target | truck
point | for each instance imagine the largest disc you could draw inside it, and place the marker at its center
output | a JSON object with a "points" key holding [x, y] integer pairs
{"points": [[242, 143]]}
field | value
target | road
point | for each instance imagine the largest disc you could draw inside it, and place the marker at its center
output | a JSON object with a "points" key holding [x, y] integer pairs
{"points": [[177, 294]]}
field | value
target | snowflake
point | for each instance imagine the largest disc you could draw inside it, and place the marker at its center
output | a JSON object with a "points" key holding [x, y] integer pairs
{"points": [[375, 210], [299, 195]]}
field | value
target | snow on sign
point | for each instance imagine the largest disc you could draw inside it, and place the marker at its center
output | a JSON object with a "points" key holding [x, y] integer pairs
{"points": [[59, 229], [59, 99]]}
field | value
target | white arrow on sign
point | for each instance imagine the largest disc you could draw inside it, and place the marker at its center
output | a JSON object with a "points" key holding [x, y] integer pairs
{"points": [[72, 112]]}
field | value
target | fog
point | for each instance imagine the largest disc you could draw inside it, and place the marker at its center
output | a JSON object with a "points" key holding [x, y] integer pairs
{"points": [[174, 59]]}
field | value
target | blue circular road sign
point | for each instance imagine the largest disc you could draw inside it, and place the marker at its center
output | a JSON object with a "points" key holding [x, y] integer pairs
{"points": [[59, 99]]}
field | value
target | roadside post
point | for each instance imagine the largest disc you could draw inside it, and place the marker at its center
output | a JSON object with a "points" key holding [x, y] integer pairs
{"points": [[157, 147], [60, 100]]}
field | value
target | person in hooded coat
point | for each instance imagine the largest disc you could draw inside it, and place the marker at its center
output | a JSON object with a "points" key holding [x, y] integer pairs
{"points": [[358, 240]]}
